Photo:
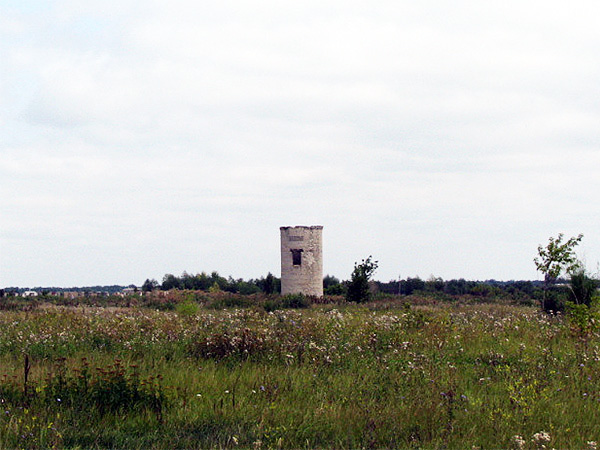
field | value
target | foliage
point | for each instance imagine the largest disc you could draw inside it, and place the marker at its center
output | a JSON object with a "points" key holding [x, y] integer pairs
{"points": [[411, 285], [583, 287], [187, 308], [555, 259], [227, 300], [333, 286], [269, 284], [287, 301], [335, 289], [295, 301], [215, 282], [584, 318], [150, 285], [554, 299], [358, 286]]}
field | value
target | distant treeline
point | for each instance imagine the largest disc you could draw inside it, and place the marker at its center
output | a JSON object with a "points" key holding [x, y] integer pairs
{"points": [[215, 282], [271, 284], [488, 288], [109, 290], [334, 286]]}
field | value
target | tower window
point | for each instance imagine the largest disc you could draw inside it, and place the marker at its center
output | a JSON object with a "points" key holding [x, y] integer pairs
{"points": [[296, 256]]}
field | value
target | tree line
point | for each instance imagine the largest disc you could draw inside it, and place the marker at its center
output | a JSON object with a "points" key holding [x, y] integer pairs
{"points": [[269, 284], [360, 281]]}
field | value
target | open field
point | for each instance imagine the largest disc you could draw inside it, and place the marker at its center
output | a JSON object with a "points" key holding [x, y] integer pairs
{"points": [[329, 376]]}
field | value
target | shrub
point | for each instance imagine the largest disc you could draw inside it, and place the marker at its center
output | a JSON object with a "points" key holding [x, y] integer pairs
{"points": [[187, 308], [231, 301], [295, 301], [555, 300], [286, 301], [582, 288], [584, 318]]}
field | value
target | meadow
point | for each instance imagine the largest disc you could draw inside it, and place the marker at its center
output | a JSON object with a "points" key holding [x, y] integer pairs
{"points": [[387, 374]]}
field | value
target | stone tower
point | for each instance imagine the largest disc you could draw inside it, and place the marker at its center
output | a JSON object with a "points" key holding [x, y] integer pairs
{"points": [[302, 260]]}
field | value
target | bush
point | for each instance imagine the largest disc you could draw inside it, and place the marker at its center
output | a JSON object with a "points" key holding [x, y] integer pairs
{"points": [[295, 301], [335, 289], [584, 318], [232, 301], [582, 288], [287, 301], [187, 308], [555, 300]]}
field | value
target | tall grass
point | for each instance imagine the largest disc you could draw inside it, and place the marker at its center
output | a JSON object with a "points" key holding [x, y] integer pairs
{"points": [[355, 376]]}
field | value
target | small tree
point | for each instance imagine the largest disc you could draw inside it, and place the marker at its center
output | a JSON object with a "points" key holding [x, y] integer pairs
{"points": [[269, 285], [358, 286], [150, 285], [583, 287], [555, 259]]}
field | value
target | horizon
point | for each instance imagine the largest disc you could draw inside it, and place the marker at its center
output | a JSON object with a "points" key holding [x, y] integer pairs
{"points": [[342, 280]]}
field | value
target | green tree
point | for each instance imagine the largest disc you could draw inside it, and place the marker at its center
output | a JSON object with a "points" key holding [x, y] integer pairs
{"points": [[358, 286], [170, 281], [269, 284], [555, 259], [583, 287], [150, 285], [333, 286]]}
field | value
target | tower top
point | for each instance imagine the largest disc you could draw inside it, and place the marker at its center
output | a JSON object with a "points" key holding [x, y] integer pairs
{"points": [[312, 227]]}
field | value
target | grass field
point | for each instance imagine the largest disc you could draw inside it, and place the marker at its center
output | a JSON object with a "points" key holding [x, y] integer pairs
{"points": [[347, 376]]}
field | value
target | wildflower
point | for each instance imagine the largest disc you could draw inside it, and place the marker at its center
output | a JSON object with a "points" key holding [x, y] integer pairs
{"points": [[541, 439], [518, 442], [592, 445], [198, 395]]}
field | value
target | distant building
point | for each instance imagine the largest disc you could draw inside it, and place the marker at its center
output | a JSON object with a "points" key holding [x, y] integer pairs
{"points": [[29, 294], [302, 260], [129, 290]]}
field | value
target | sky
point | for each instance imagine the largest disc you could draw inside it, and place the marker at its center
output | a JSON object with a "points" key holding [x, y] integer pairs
{"points": [[444, 138]]}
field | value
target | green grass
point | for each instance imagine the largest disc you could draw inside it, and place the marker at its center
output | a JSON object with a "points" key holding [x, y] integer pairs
{"points": [[352, 377]]}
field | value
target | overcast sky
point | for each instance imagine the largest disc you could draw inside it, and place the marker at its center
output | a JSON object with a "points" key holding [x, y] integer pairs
{"points": [[445, 138]]}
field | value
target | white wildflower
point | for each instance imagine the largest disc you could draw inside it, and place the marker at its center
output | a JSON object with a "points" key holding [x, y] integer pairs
{"points": [[518, 442], [541, 439]]}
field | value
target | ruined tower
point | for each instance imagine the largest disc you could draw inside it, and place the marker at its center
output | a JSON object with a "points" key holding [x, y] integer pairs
{"points": [[302, 260]]}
